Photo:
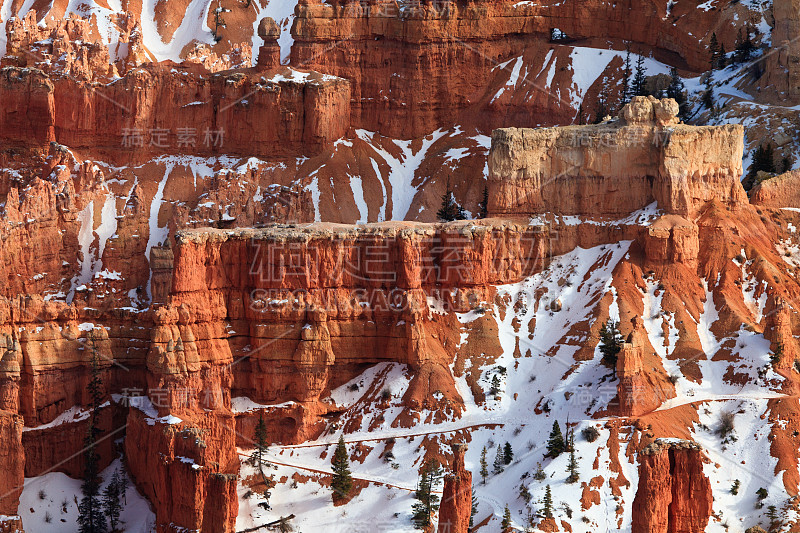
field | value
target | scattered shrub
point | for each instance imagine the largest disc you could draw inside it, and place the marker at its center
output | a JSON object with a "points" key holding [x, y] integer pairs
{"points": [[590, 433], [762, 494], [48, 517], [386, 394], [735, 487], [42, 495], [726, 425]]}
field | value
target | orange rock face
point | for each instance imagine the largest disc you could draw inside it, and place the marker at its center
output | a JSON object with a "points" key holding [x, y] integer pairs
{"points": [[31, 91], [283, 315], [643, 383], [12, 463], [674, 496], [782, 80], [138, 115], [300, 296], [456, 505], [188, 468], [448, 48]]}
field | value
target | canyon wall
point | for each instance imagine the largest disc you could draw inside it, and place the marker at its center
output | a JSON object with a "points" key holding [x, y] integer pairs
{"points": [[616, 167], [299, 297], [169, 108], [438, 56]]}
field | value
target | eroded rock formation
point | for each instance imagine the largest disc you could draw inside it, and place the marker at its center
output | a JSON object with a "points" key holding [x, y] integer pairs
{"points": [[780, 191], [456, 506], [616, 167], [433, 49], [674, 495], [168, 108]]}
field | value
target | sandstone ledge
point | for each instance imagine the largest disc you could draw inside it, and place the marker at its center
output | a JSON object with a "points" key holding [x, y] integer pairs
{"points": [[617, 167], [322, 230]]}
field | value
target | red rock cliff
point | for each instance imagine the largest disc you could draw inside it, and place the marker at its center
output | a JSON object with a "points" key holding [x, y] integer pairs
{"points": [[440, 56], [674, 495], [169, 108]]}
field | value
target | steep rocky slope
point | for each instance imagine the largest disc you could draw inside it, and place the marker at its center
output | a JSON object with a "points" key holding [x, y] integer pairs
{"points": [[125, 185]]}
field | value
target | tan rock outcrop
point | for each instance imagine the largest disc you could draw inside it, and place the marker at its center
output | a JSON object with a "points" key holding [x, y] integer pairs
{"points": [[12, 463], [672, 239], [614, 168], [269, 55], [780, 191], [781, 81], [28, 106]]}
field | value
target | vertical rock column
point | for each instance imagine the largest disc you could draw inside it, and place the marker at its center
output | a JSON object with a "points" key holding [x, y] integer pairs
{"points": [[12, 455], [269, 55], [674, 495], [457, 497]]}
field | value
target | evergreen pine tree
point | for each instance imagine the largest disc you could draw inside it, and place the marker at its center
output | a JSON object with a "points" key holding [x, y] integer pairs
{"points": [[539, 475], [342, 482], [640, 78], [708, 94], [763, 160], [90, 509], [260, 440], [610, 342], [786, 164], [569, 441], [499, 461], [547, 503], [508, 453], [427, 502], [473, 510], [572, 467], [601, 110], [723, 57], [283, 524], [626, 80], [484, 466], [506, 522], [768, 160], [450, 210], [555, 444], [744, 46], [484, 205], [713, 51], [677, 91], [112, 498]]}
